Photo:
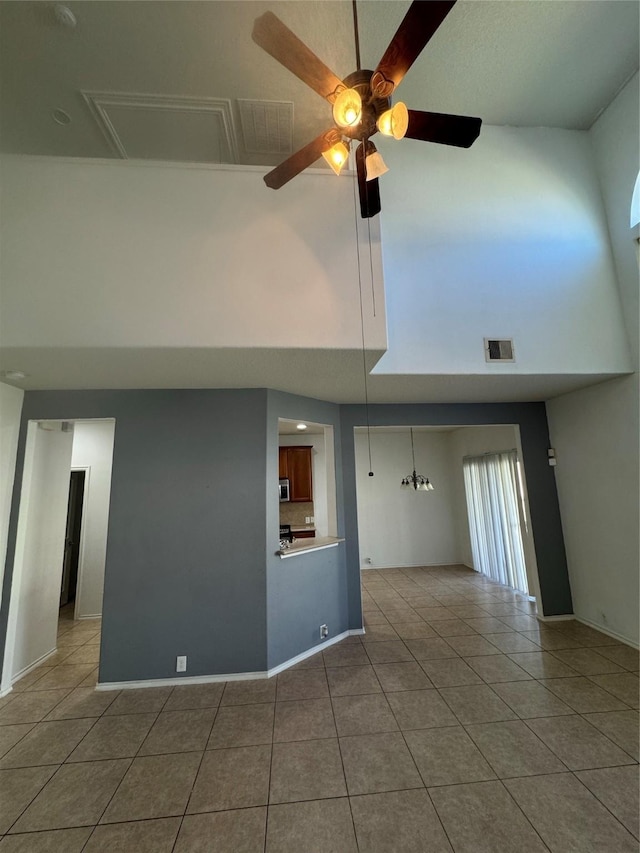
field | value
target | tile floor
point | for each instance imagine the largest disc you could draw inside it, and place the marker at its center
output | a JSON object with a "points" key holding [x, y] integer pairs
{"points": [[457, 723]]}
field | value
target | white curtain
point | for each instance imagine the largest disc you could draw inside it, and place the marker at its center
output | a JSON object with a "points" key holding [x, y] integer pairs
{"points": [[491, 486]]}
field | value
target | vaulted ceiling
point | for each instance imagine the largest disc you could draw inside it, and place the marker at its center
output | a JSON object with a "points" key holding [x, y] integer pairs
{"points": [[185, 81]]}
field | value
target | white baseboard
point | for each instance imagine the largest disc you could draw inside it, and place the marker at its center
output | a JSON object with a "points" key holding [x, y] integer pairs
{"points": [[33, 666], [232, 676], [5, 692], [613, 634], [410, 566], [90, 616], [567, 617]]}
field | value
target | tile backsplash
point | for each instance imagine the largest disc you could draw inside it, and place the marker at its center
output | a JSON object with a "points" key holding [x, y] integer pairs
{"points": [[295, 513]]}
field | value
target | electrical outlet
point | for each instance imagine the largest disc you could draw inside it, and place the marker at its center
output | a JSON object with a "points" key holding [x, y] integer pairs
{"points": [[312, 519], [181, 663], [306, 519], [324, 632]]}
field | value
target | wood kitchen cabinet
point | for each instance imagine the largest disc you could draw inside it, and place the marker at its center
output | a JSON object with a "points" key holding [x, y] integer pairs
{"points": [[294, 464]]}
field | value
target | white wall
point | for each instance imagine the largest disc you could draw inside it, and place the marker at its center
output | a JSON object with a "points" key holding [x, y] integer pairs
{"points": [[318, 474], [93, 450], [473, 441], [10, 410], [595, 431], [156, 255], [37, 574], [506, 239], [398, 527]]}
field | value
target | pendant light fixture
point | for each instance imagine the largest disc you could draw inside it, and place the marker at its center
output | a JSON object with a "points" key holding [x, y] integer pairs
{"points": [[417, 482]]}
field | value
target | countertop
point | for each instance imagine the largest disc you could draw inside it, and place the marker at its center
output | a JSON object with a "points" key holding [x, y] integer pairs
{"points": [[300, 546]]}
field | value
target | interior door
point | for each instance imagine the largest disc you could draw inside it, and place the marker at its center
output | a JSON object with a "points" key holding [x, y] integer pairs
{"points": [[72, 538]]}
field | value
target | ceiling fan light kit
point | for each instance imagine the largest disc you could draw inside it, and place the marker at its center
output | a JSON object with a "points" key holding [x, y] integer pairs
{"points": [[361, 102]]}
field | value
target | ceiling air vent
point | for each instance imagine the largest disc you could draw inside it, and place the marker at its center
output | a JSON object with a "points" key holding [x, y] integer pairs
{"points": [[498, 350], [267, 126]]}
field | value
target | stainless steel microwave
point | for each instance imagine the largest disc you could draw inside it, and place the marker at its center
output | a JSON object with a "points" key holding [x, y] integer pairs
{"points": [[283, 489]]}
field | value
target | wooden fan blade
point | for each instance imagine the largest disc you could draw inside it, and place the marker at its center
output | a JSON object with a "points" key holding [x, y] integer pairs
{"points": [[280, 42], [461, 131], [299, 161], [419, 24], [369, 190]]}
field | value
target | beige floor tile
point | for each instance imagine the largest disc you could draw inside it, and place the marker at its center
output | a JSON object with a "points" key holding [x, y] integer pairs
{"points": [[322, 825], [453, 628], [11, 735], [583, 695], [114, 737], [511, 643], [29, 681], [617, 788], [64, 675], [550, 639], [83, 702], [47, 743], [368, 714], [242, 725], [187, 697], [399, 821], [84, 654], [431, 649], [521, 622], [302, 684], [482, 818], [577, 743], [401, 676], [414, 630], [622, 727], [468, 611], [17, 789], [389, 652], [488, 625], [76, 796], [145, 836], [450, 672], [546, 801], [542, 665], [241, 831], [476, 703], [420, 709], [587, 661], [147, 700], [380, 633], [626, 656], [306, 770], [349, 655], [303, 719], [252, 692], [232, 779], [377, 763], [351, 680], [30, 707], [512, 749], [625, 686], [531, 699], [447, 756], [179, 731], [433, 613], [154, 786], [495, 668], [54, 841], [91, 680]]}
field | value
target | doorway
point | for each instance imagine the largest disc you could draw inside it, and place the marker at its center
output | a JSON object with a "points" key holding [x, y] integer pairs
{"points": [[72, 539]]}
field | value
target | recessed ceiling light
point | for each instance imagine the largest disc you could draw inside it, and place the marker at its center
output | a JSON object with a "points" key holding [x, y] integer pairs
{"points": [[64, 16], [301, 426], [14, 375], [61, 117]]}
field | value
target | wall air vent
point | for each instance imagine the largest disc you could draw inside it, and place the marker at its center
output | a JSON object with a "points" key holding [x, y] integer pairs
{"points": [[267, 126], [499, 349]]}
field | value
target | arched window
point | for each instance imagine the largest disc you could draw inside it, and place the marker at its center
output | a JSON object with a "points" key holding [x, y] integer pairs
{"points": [[635, 204]]}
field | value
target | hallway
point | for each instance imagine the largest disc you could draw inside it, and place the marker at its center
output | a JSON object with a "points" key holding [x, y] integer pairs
{"points": [[458, 722]]}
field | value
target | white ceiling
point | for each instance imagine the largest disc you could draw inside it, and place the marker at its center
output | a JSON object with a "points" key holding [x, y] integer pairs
{"points": [[554, 63], [512, 62]]}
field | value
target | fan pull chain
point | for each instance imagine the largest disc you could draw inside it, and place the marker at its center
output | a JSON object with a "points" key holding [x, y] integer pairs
{"points": [[357, 37]]}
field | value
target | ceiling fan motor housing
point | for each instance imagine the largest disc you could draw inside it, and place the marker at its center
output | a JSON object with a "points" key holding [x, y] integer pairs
{"points": [[372, 107]]}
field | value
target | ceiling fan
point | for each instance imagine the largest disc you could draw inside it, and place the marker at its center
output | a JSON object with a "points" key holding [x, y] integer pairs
{"points": [[362, 101]]}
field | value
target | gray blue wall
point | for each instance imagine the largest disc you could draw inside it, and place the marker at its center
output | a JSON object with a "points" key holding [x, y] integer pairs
{"points": [[541, 485], [309, 590], [191, 566]]}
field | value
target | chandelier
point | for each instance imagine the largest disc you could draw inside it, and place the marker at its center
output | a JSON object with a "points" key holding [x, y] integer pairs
{"points": [[418, 482]]}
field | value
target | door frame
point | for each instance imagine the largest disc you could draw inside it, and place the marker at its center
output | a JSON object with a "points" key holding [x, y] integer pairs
{"points": [[83, 523]]}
